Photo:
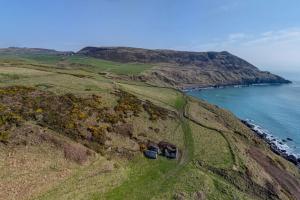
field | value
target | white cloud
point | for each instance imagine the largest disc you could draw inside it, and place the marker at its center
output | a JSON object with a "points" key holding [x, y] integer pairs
{"points": [[271, 50], [237, 36], [281, 36], [226, 7]]}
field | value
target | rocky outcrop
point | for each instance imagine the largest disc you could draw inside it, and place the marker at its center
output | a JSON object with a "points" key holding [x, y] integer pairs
{"points": [[274, 144], [182, 69]]}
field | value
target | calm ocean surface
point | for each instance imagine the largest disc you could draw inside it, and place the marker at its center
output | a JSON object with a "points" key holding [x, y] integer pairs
{"points": [[275, 108]]}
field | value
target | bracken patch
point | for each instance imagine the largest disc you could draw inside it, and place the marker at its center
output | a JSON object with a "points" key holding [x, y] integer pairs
{"points": [[155, 112], [128, 103], [83, 119]]}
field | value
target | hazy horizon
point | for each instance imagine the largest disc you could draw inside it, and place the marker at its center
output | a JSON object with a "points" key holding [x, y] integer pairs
{"points": [[266, 34]]}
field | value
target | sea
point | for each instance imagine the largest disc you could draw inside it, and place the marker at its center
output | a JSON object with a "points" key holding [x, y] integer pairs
{"points": [[274, 109]]}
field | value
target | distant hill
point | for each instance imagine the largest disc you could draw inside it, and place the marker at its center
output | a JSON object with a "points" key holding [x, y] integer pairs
{"points": [[177, 69], [183, 69], [32, 51], [77, 126]]}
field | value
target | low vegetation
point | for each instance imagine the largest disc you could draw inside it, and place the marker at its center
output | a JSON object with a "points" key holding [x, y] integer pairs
{"points": [[73, 127]]}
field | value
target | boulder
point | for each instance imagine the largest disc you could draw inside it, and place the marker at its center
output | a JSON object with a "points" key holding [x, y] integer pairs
{"points": [[292, 159]]}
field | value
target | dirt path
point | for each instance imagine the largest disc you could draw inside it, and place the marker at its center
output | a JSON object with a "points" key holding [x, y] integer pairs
{"points": [[163, 181], [186, 115], [285, 179], [188, 151]]}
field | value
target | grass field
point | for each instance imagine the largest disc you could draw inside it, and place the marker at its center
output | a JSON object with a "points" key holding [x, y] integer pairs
{"points": [[213, 144], [211, 147], [80, 62], [97, 65], [161, 96]]}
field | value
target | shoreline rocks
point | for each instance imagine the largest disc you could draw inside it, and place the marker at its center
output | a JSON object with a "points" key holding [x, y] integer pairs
{"points": [[275, 145], [190, 89]]}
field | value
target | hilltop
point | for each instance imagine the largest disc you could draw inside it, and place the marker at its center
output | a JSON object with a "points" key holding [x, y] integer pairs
{"points": [[32, 51], [74, 126], [182, 69]]}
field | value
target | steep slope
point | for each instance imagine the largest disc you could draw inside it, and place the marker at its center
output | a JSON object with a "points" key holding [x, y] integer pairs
{"points": [[181, 69]]}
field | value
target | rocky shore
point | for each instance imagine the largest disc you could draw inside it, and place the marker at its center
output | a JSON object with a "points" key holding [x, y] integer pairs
{"points": [[184, 70], [277, 146], [229, 86]]}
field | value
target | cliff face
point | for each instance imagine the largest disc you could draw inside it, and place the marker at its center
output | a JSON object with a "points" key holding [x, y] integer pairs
{"points": [[183, 69], [200, 59]]}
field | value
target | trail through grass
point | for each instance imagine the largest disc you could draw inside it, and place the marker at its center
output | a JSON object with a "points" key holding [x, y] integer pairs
{"points": [[151, 177]]}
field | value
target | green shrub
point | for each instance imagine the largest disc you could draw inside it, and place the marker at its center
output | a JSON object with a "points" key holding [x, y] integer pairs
{"points": [[128, 103], [99, 133], [15, 89], [4, 136], [155, 112]]}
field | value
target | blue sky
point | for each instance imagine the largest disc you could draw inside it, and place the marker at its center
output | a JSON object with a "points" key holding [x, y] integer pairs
{"points": [[265, 32]]}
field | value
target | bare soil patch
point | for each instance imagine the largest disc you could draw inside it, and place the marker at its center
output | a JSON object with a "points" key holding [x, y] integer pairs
{"points": [[290, 183]]}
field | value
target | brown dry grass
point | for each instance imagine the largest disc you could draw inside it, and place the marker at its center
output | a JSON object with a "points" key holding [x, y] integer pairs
{"points": [[288, 182], [36, 159], [76, 153], [53, 166]]}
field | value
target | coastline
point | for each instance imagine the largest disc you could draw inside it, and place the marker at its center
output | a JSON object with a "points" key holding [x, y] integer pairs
{"points": [[190, 89], [275, 145], [278, 146]]}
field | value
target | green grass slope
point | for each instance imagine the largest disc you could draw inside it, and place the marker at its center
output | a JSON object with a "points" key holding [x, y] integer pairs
{"points": [[62, 137], [75, 61]]}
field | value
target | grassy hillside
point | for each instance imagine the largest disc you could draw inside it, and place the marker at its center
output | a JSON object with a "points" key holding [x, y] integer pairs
{"points": [[184, 69], [74, 61], [71, 127]]}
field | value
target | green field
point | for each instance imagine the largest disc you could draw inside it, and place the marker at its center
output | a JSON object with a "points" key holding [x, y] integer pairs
{"points": [[78, 62], [213, 161]]}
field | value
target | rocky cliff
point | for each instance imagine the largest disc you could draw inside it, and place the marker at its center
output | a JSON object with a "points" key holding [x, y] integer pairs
{"points": [[182, 69]]}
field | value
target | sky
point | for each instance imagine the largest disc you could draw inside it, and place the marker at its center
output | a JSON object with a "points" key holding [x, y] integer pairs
{"points": [[264, 32]]}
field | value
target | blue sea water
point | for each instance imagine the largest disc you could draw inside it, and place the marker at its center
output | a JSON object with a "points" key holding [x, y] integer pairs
{"points": [[275, 108]]}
